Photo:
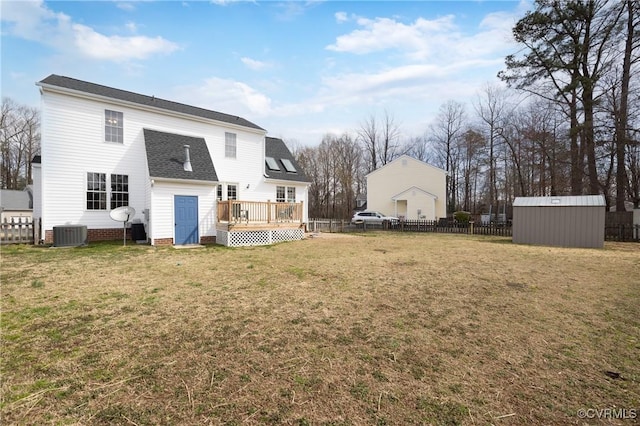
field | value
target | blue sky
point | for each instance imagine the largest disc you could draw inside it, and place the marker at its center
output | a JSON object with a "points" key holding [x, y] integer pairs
{"points": [[298, 69]]}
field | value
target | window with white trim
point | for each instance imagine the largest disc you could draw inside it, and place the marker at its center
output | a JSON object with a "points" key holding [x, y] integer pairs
{"points": [[119, 191], [285, 194], [230, 145], [232, 192], [113, 126], [96, 191], [291, 194], [219, 192]]}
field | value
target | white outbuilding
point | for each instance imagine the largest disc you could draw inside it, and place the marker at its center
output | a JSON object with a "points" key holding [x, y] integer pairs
{"points": [[409, 189]]}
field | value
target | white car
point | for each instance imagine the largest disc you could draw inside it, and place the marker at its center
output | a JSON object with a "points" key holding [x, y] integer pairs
{"points": [[372, 217]]}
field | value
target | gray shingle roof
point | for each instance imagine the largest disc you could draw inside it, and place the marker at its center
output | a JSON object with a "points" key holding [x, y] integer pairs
{"points": [[13, 200], [165, 156], [277, 149], [151, 101]]}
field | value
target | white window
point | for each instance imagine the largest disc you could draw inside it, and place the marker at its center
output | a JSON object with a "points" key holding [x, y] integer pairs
{"points": [[230, 145], [119, 191], [97, 194], [113, 127], [285, 193], [232, 192], [219, 192], [96, 191], [291, 194]]}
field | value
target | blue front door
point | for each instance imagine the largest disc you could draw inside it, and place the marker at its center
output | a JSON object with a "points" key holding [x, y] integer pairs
{"points": [[186, 217]]}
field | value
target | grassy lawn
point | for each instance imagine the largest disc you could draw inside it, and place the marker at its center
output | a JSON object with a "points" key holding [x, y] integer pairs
{"points": [[334, 330]]}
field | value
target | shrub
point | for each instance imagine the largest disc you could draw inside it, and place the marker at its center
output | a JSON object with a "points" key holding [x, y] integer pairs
{"points": [[462, 217]]}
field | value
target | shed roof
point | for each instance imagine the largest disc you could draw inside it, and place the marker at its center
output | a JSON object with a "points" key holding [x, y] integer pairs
{"points": [[71, 84], [165, 157], [14, 200], [560, 201]]}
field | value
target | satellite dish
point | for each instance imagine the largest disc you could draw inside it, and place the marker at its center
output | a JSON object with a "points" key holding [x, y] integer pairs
{"points": [[123, 214]]}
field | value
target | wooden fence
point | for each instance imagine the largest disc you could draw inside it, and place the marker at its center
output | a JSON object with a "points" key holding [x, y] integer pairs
{"points": [[338, 225], [619, 232], [16, 231], [618, 226], [622, 232]]}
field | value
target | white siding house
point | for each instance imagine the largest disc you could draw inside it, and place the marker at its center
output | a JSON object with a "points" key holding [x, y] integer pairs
{"points": [[104, 147], [409, 189]]}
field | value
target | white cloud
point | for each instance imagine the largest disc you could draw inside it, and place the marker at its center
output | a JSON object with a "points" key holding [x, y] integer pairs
{"points": [[435, 40], [228, 96], [36, 22], [441, 62], [129, 7], [254, 64], [117, 48], [131, 26], [385, 33], [341, 17], [228, 2], [32, 20]]}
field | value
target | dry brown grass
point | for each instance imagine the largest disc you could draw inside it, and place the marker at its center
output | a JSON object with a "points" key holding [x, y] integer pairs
{"points": [[375, 329]]}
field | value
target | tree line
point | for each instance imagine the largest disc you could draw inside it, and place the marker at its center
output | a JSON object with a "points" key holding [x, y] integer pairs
{"points": [[564, 121], [19, 143]]}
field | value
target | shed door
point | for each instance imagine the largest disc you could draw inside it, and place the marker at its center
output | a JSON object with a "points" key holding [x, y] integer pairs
{"points": [[186, 219]]}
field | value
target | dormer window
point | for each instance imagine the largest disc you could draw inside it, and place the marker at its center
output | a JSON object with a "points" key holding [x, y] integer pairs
{"points": [[113, 127], [272, 164], [288, 165]]}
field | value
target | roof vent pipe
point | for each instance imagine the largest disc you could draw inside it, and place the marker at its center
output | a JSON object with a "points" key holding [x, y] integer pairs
{"points": [[187, 159]]}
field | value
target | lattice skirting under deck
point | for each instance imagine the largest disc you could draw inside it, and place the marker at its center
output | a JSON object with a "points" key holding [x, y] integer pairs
{"points": [[258, 237]]}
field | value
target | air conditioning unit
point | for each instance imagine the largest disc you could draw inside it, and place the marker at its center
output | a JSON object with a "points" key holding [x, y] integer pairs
{"points": [[70, 236]]}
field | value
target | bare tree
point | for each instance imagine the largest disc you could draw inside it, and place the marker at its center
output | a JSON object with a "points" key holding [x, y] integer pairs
{"points": [[335, 170], [19, 143], [418, 147], [621, 113], [348, 171], [390, 133], [368, 137], [492, 109], [446, 133], [380, 140], [472, 145], [307, 159]]}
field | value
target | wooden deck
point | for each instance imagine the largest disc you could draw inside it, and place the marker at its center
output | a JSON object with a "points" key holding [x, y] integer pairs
{"points": [[254, 215]]}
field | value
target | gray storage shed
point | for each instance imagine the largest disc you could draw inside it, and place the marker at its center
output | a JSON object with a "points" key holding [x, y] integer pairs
{"points": [[572, 221]]}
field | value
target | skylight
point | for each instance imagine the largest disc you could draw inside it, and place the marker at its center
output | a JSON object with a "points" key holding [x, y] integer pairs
{"points": [[271, 163], [288, 165]]}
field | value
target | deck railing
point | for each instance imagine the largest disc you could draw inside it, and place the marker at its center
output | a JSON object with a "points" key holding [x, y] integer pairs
{"points": [[236, 211]]}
